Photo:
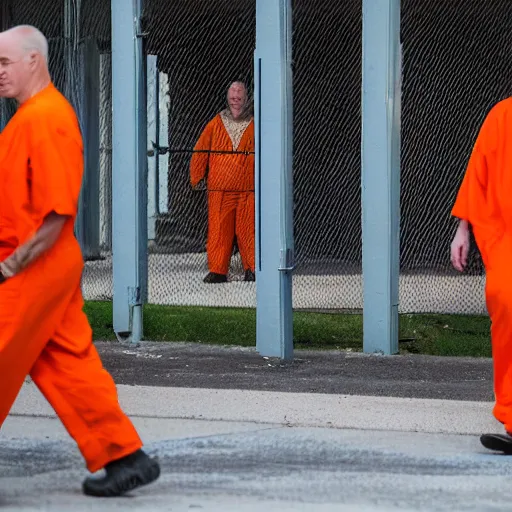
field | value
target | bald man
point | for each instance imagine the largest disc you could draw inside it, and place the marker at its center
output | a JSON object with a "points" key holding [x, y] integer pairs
{"points": [[43, 330], [226, 150]]}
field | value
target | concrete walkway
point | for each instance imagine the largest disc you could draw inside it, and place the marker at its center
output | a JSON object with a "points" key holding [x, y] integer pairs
{"points": [[236, 450], [236, 446], [290, 409]]}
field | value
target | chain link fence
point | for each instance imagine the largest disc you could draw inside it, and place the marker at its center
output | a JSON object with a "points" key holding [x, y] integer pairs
{"points": [[456, 66], [78, 33], [326, 50]]}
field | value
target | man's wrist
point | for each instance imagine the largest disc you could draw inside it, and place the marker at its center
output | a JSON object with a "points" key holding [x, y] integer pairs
{"points": [[463, 225], [4, 272]]}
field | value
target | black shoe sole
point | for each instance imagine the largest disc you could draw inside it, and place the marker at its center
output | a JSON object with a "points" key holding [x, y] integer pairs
{"points": [[215, 279], [132, 479], [497, 442]]}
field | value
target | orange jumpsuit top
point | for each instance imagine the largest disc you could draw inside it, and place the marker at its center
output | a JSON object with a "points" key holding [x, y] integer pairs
{"points": [[230, 173], [485, 201], [485, 196], [41, 166]]}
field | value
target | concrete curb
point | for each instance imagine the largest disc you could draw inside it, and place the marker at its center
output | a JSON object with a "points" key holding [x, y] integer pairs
{"points": [[291, 409]]}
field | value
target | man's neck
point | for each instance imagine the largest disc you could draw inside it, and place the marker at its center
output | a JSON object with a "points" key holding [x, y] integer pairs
{"points": [[241, 116], [34, 89]]}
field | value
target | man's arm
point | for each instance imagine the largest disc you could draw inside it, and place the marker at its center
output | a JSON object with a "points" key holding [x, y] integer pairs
{"points": [[471, 204], [463, 226], [43, 240], [459, 249], [199, 160]]}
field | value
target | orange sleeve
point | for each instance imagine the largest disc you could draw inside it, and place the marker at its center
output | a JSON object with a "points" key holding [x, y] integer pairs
{"points": [[474, 203], [474, 183], [56, 166], [199, 161], [471, 197]]}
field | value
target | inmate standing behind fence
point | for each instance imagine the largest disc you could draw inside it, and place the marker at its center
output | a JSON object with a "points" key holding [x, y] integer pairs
{"points": [[226, 150]]}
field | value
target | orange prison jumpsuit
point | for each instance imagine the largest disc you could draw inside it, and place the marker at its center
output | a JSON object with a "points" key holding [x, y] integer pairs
{"points": [[230, 185], [485, 201], [43, 330]]}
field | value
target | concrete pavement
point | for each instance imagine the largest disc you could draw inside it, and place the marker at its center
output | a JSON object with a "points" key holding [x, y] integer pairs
{"points": [[290, 409], [330, 442], [263, 463]]}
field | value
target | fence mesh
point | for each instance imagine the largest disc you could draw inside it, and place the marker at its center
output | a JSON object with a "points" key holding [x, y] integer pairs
{"points": [[326, 48], [79, 44], [97, 282], [51, 22], [456, 66]]}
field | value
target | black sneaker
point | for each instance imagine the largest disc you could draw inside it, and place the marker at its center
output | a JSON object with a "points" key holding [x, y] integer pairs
{"points": [[123, 475], [249, 275], [497, 442], [214, 278]]}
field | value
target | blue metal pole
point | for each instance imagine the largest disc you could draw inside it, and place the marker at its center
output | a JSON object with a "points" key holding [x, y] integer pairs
{"points": [[380, 155], [274, 186], [129, 170]]}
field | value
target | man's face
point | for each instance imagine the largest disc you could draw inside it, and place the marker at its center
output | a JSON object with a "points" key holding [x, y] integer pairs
{"points": [[15, 68], [237, 98]]}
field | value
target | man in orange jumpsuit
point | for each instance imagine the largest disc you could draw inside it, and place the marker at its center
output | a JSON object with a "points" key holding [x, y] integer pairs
{"points": [[226, 150], [484, 203], [43, 330]]}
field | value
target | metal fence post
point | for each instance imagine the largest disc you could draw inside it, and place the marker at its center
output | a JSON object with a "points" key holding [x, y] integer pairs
{"points": [[163, 134], [153, 136], [274, 189], [88, 219], [105, 195], [82, 89], [129, 170], [380, 167]]}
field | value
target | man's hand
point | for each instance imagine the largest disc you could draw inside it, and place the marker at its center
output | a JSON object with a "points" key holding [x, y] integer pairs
{"points": [[460, 246], [32, 249]]}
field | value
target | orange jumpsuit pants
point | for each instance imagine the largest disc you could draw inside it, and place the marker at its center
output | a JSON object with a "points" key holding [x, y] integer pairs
{"points": [[230, 214], [499, 305], [45, 333], [230, 193]]}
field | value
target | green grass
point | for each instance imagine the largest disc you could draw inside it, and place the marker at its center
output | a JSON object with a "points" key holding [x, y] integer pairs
{"points": [[444, 335]]}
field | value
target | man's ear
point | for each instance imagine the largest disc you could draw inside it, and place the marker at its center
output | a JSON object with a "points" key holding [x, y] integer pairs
{"points": [[33, 59]]}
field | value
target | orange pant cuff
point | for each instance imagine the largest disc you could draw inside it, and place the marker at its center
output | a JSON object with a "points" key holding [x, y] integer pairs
{"points": [[97, 456]]}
